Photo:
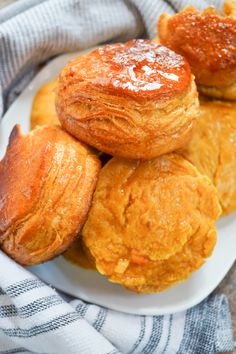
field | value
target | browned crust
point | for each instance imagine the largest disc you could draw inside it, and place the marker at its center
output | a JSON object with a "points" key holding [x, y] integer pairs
{"points": [[137, 124], [206, 40], [47, 179], [139, 69]]}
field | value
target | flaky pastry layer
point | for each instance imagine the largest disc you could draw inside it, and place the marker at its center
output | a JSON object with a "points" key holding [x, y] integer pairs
{"points": [[135, 100], [47, 179]]}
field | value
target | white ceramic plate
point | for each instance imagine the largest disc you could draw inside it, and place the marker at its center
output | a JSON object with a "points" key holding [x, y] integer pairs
{"points": [[91, 286]]}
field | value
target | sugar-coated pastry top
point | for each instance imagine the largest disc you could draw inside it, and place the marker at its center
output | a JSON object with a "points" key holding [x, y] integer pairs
{"points": [[139, 68], [47, 180], [136, 99], [206, 39]]}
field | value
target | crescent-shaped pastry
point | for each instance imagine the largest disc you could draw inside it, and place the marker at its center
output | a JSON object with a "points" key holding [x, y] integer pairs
{"points": [[136, 99], [47, 179], [43, 107], [213, 150], [208, 41], [151, 223]]}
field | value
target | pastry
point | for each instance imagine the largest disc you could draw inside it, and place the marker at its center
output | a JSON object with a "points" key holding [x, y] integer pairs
{"points": [[213, 149], [151, 223], [136, 99], [43, 108], [78, 255], [208, 41], [47, 179]]}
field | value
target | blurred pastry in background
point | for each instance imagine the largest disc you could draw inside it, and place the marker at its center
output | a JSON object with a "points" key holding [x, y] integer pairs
{"points": [[208, 41], [229, 8], [47, 179], [43, 107], [213, 149], [151, 223], [136, 99]]}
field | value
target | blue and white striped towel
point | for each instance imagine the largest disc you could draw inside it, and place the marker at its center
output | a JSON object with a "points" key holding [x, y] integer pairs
{"points": [[33, 317]]}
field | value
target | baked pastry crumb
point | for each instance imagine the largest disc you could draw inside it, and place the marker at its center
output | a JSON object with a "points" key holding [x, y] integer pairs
{"points": [[151, 223]]}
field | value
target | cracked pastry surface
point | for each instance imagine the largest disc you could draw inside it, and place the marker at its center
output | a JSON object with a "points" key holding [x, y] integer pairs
{"points": [[151, 223], [136, 99], [43, 107], [47, 179], [213, 149], [208, 41]]}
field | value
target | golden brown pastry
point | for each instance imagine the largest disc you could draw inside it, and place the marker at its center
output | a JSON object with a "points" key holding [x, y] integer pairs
{"points": [[151, 223], [78, 255], [229, 8], [136, 99], [208, 41], [47, 179], [213, 149], [43, 108]]}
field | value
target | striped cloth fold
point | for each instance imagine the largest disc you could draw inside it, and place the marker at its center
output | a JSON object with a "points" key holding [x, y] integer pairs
{"points": [[34, 318]]}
